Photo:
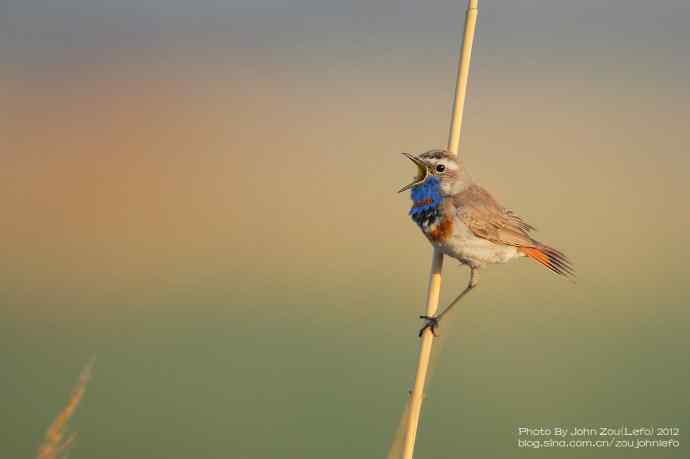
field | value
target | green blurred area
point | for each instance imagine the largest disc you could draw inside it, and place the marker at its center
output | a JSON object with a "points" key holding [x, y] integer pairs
{"points": [[194, 383]]}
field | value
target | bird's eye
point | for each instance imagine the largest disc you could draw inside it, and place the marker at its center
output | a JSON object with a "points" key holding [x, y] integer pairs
{"points": [[440, 168]]}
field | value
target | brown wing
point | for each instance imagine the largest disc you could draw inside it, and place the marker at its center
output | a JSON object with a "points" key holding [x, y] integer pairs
{"points": [[489, 220]]}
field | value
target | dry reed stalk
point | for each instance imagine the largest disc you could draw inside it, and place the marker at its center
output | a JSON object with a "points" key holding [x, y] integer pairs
{"points": [[434, 289], [57, 439]]}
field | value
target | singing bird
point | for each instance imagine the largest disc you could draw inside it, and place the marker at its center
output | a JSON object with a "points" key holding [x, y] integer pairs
{"points": [[463, 221]]}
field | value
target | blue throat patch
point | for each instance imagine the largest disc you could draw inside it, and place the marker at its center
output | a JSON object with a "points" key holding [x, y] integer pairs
{"points": [[427, 200], [429, 191]]}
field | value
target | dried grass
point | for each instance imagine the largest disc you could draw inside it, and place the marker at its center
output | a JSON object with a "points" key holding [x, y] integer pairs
{"points": [[58, 439]]}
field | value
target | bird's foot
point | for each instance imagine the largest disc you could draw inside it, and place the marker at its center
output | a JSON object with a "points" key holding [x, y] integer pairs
{"points": [[430, 323]]}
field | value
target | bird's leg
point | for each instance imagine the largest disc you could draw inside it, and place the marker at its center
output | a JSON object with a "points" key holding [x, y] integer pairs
{"points": [[432, 322]]}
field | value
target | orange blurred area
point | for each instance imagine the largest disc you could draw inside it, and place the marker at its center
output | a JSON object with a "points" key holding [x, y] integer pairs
{"points": [[134, 182]]}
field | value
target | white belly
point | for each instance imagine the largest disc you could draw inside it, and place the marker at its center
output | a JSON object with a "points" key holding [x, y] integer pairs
{"points": [[475, 251]]}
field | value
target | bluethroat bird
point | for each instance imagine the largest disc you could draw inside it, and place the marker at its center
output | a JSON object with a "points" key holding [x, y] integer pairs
{"points": [[463, 221]]}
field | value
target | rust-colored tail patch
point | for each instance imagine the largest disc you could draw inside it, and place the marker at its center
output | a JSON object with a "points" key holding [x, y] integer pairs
{"points": [[553, 259]]}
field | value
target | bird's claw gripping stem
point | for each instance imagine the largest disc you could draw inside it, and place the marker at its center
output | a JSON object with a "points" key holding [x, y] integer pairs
{"points": [[431, 323]]}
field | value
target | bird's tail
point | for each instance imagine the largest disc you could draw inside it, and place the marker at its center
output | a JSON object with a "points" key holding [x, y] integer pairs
{"points": [[553, 259]]}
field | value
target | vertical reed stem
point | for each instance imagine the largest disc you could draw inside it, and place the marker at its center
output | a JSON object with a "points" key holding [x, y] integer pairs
{"points": [[434, 289]]}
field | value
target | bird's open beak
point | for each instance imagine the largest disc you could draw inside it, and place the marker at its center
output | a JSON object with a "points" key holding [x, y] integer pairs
{"points": [[422, 172]]}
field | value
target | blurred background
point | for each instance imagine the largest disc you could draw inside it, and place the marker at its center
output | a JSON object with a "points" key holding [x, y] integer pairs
{"points": [[202, 197]]}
